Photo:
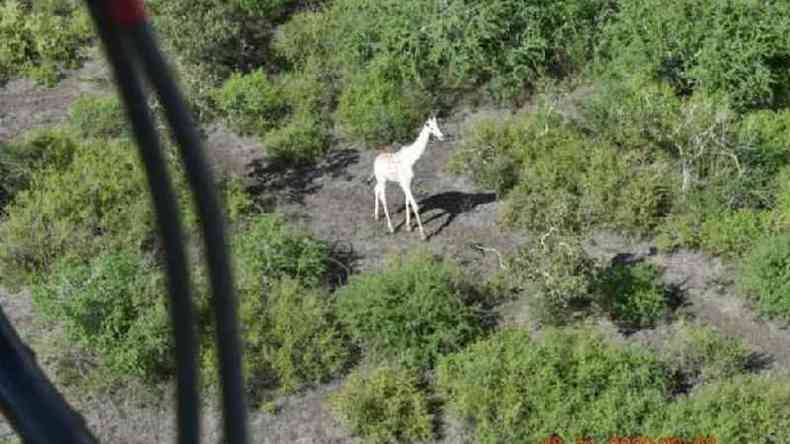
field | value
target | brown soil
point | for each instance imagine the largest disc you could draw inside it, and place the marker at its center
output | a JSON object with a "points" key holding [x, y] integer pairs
{"points": [[25, 105], [333, 201]]}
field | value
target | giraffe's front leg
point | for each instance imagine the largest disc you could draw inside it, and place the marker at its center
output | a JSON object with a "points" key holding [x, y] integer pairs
{"points": [[386, 211], [417, 215]]}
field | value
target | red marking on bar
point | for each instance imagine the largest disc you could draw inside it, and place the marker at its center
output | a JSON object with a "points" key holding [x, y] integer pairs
{"points": [[127, 12]]}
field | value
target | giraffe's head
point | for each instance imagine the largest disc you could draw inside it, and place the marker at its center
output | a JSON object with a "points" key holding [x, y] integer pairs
{"points": [[433, 128]]}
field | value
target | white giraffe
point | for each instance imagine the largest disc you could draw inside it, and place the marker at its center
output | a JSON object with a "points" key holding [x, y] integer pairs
{"points": [[398, 167]]}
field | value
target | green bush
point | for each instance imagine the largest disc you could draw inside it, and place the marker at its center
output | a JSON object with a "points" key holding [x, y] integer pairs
{"points": [[734, 232], [765, 275], [307, 90], [742, 409], [735, 47], [268, 250], [275, 9], [20, 159], [553, 175], [678, 231], [251, 103], [643, 109], [98, 200], [41, 42], [556, 276], [488, 152], [633, 295], [383, 406], [412, 312], [290, 338], [208, 40], [570, 383], [214, 35], [378, 107], [99, 117], [238, 202], [782, 198], [506, 43], [113, 305], [703, 355], [769, 133], [289, 330], [302, 139]]}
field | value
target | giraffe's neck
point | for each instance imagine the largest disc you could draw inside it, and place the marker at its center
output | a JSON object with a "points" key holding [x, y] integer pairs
{"points": [[410, 154]]}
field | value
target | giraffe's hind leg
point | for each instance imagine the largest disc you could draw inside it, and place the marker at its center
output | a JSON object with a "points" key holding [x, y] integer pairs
{"points": [[382, 194]]}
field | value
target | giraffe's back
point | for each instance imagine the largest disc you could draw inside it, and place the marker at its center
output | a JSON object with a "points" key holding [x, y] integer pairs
{"points": [[386, 167]]}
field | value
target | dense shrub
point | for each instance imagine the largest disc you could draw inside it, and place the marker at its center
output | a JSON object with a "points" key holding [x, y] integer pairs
{"points": [[36, 150], [307, 90], [742, 409], [209, 40], [303, 138], [270, 8], [251, 103], [556, 275], [633, 295], [782, 198], [384, 405], [453, 44], [238, 202], [97, 200], [732, 233], [98, 116], [703, 355], [570, 383], [715, 172], [286, 113], [113, 305], [268, 249], [41, 41], [736, 47], [554, 176], [290, 338], [489, 152], [212, 34], [412, 312], [765, 275], [699, 133], [289, 330], [379, 107], [768, 132], [729, 233]]}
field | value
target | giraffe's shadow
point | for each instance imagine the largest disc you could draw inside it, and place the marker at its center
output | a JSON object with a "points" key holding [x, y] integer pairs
{"points": [[282, 180], [447, 205]]}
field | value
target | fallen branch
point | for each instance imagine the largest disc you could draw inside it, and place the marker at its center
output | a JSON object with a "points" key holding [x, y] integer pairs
{"points": [[480, 247]]}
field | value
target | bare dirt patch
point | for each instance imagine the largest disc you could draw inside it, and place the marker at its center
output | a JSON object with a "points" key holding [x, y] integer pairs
{"points": [[708, 298], [25, 105]]}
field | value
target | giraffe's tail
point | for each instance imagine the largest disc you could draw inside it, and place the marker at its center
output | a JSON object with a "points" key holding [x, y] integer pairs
{"points": [[370, 178]]}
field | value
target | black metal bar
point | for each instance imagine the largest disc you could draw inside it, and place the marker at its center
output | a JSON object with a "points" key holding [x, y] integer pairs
{"points": [[210, 212], [169, 221], [33, 406]]}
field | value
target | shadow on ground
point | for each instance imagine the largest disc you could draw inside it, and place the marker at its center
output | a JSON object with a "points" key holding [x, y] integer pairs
{"points": [[447, 205], [279, 180]]}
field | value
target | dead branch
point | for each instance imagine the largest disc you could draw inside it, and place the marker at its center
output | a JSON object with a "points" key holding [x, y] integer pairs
{"points": [[482, 248]]}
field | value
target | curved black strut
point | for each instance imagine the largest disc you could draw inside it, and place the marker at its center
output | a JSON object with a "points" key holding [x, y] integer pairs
{"points": [[36, 410]]}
